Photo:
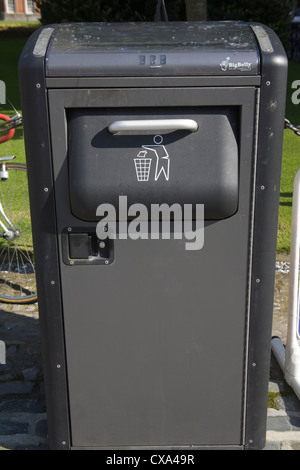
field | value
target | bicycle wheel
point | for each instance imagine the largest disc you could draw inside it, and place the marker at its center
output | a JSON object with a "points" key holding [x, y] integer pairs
{"points": [[10, 131], [17, 269]]}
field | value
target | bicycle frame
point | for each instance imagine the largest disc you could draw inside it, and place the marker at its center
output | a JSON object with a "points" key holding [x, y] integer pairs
{"points": [[17, 270], [8, 234], [8, 128], [9, 125]]}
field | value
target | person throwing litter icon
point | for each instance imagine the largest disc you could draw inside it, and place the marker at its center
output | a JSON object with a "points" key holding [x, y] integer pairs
{"points": [[162, 157]]}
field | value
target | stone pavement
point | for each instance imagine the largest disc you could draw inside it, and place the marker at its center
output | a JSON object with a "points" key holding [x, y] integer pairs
{"points": [[23, 417], [283, 422]]}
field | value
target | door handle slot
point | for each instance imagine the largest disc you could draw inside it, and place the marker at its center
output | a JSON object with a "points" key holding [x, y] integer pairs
{"points": [[80, 246]]}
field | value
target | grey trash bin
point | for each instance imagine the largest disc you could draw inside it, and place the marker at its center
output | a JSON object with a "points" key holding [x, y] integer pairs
{"points": [[149, 343]]}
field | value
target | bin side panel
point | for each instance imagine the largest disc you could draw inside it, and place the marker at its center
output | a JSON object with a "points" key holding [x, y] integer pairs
{"points": [[42, 204], [267, 192]]}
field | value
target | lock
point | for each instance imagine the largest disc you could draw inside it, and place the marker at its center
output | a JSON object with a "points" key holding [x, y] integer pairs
{"points": [[84, 247]]}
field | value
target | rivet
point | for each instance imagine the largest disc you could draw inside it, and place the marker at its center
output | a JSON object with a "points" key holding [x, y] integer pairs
{"points": [[46, 190], [106, 261], [268, 83], [262, 187], [257, 280], [38, 85], [52, 282], [58, 366]]}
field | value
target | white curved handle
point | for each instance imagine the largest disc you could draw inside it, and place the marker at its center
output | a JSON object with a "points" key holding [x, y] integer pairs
{"points": [[153, 125]]}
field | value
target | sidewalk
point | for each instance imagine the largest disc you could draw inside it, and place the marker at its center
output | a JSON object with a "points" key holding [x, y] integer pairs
{"points": [[23, 418], [283, 423]]}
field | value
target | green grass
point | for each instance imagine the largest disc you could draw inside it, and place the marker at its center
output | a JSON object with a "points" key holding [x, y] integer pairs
{"points": [[290, 164], [291, 147], [272, 400], [14, 198], [9, 74], [13, 36], [11, 47]]}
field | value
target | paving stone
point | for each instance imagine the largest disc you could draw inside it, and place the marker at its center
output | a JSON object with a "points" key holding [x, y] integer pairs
{"points": [[22, 404], [31, 373], [272, 446], [17, 387], [279, 423], [23, 442], [41, 428], [9, 427], [295, 445]]}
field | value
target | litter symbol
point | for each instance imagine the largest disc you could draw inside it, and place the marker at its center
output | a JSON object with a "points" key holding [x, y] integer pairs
{"points": [[143, 164]]}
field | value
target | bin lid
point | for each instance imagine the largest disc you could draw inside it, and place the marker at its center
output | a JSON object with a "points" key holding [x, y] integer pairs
{"points": [[152, 49]]}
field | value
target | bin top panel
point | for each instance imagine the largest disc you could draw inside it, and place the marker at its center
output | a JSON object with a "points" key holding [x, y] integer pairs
{"points": [[152, 49]]}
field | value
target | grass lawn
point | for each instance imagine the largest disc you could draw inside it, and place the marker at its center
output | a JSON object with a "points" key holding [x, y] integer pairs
{"points": [[11, 47], [290, 164], [10, 51]]}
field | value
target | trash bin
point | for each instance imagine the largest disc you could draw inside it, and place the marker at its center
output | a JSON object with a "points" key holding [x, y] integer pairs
{"points": [[155, 339]]}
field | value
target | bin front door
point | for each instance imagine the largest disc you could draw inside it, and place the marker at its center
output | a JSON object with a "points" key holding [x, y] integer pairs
{"points": [[155, 334]]}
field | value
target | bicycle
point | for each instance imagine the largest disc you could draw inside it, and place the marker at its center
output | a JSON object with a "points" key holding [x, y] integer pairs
{"points": [[17, 268]]}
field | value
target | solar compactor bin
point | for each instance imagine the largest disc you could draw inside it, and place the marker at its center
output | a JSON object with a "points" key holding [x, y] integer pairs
{"points": [[155, 342]]}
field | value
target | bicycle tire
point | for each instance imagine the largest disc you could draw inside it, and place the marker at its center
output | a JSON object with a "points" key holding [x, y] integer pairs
{"points": [[17, 269], [10, 131]]}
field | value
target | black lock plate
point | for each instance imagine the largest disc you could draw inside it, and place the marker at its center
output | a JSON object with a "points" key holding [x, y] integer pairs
{"points": [[80, 246]]}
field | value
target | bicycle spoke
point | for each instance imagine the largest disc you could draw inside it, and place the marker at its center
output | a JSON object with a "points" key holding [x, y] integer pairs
{"points": [[17, 269]]}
